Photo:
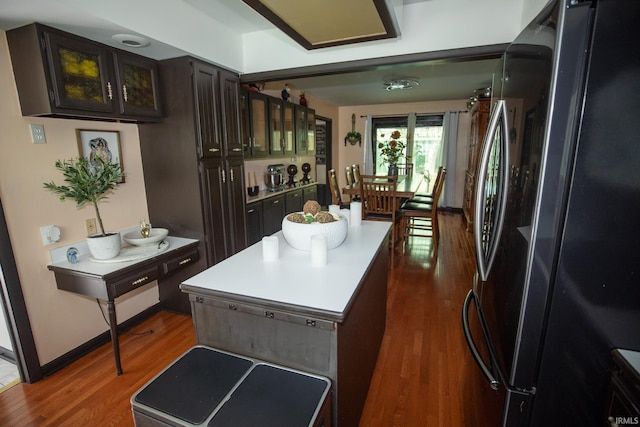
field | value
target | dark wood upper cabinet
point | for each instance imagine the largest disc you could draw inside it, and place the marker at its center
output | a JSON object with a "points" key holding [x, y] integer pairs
{"points": [[230, 87], [256, 126], [207, 95], [138, 87], [276, 127], [305, 128], [62, 75], [288, 123]]}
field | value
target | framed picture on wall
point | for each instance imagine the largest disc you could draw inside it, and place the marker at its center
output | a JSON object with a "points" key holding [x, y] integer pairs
{"points": [[104, 144]]}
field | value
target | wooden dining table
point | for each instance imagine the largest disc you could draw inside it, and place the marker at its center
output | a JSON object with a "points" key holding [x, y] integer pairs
{"points": [[406, 187]]}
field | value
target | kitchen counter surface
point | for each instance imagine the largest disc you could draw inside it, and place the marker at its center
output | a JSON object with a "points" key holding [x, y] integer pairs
{"points": [[292, 281], [264, 194], [86, 266]]}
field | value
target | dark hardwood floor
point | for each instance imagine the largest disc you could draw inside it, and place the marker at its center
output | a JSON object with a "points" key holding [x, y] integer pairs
{"points": [[417, 380]]}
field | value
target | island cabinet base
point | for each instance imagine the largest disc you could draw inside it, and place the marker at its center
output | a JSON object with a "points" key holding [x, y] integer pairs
{"points": [[341, 346]]}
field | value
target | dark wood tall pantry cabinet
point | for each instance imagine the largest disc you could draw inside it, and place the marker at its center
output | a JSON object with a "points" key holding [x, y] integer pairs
{"points": [[194, 168]]}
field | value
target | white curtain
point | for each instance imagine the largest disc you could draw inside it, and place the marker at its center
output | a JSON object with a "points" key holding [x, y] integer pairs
{"points": [[367, 159], [411, 127], [447, 156]]}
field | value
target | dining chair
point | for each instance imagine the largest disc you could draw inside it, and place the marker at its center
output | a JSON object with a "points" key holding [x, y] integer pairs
{"points": [[418, 217], [405, 168], [428, 197], [356, 173], [336, 197], [349, 175], [379, 203]]}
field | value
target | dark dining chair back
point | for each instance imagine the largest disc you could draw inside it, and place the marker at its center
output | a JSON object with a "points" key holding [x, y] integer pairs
{"points": [[418, 217]]}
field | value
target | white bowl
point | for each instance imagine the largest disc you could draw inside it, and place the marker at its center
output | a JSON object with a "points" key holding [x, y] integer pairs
{"points": [[298, 235], [135, 238]]}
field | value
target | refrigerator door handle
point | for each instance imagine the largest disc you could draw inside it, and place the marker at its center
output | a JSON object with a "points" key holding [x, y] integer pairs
{"points": [[471, 343], [485, 257]]}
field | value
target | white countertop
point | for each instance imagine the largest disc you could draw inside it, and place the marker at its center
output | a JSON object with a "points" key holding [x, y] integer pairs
{"points": [[292, 280], [85, 265], [264, 194]]}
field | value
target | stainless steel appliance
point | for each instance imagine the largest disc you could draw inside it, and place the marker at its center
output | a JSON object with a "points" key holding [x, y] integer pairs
{"points": [[274, 177], [556, 235]]}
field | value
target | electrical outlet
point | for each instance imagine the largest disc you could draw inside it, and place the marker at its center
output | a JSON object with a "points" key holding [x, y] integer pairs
{"points": [[90, 226], [37, 134]]}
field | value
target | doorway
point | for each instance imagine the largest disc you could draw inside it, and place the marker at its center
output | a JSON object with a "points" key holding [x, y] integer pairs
{"points": [[15, 310]]}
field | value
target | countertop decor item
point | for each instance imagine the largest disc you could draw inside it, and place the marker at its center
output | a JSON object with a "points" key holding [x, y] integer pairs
{"points": [[298, 234], [90, 184], [136, 238]]}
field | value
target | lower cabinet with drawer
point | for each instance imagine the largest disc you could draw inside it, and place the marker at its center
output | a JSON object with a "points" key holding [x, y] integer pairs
{"points": [[273, 210], [255, 225]]}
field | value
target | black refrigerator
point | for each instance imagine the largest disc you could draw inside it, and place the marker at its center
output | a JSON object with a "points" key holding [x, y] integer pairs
{"points": [[557, 221]]}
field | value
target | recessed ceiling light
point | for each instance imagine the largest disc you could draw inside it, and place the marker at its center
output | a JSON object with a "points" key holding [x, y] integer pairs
{"points": [[130, 40], [400, 84]]}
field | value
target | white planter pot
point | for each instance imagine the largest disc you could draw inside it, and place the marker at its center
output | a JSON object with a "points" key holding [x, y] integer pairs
{"points": [[104, 247]]}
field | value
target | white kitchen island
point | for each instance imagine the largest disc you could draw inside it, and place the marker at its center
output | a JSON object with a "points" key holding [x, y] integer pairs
{"points": [[324, 320]]}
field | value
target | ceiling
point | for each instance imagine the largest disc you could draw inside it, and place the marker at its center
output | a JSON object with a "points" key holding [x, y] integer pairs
{"points": [[439, 76]]}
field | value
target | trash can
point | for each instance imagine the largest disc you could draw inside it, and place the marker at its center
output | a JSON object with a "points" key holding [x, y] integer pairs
{"points": [[210, 387]]}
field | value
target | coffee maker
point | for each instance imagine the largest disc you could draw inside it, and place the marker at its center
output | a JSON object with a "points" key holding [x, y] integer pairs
{"points": [[274, 177]]}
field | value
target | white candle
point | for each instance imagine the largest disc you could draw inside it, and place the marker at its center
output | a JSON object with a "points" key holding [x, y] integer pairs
{"points": [[346, 213], [318, 250], [356, 214], [270, 248], [334, 209]]}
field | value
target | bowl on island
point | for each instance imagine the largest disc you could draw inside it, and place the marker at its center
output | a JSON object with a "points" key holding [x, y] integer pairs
{"points": [[155, 235], [298, 234]]}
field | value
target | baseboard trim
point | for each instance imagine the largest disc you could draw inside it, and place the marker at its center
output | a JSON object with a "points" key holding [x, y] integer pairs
{"points": [[91, 345]]}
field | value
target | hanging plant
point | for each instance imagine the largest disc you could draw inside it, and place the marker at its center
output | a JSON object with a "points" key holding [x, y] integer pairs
{"points": [[353, 137]]}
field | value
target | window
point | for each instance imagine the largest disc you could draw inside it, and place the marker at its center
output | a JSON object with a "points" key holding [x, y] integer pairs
{"points": [[427, 140]]}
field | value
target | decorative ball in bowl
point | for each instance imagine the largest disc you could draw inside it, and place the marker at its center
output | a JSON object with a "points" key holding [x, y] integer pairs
{"points": [[298, 234], [155, 235]]}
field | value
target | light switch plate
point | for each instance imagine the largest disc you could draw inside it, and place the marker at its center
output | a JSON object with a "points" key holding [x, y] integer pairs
{"points": [[37, 134]]}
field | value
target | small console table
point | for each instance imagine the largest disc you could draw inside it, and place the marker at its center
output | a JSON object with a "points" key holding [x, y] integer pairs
{"points": [[109, 280]]}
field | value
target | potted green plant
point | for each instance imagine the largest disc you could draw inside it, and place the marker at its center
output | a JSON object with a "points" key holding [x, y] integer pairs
{"points": [[353, 138], [89, 184]]}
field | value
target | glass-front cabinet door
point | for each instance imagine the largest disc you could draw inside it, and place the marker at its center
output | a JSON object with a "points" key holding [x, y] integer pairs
{"points": [[81, 76], [258, 125], [138, 88], [288, 129], [311, 132], [276, 135]]}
